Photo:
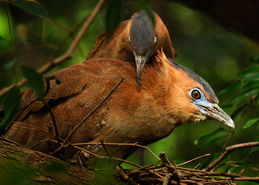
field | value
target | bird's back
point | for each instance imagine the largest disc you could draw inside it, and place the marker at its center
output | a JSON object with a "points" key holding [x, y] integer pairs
{"points": [[82, 88], [88, 96]]}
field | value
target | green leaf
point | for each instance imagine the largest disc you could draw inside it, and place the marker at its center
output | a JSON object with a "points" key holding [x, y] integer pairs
{"points": [[250, 77], [11, 104], [113, 15], [250, 123], [32, 7], [249, 87], [245, 98], [143, 5], [249, 70], [241, 99], [207, 136], [34, 81]]}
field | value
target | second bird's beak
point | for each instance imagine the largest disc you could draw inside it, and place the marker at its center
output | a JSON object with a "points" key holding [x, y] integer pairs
{"points": [[213, 111], [140, 62]]}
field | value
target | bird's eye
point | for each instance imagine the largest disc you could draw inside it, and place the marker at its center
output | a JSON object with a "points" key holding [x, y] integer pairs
{"points": [[196, 94]]}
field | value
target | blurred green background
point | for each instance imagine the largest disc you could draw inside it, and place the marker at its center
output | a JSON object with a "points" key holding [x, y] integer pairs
{"points": [[227, 60]]}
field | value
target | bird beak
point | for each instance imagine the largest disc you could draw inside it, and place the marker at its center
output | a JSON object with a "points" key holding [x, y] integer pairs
{"points": [[213, 111], [140, 62]]}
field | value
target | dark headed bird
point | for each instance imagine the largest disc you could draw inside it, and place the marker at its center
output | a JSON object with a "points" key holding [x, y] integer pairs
{"points": [[171, 95], [135, 40]]}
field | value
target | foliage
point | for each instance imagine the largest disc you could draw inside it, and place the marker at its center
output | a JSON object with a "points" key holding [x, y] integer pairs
{"points": [[34, 81], [11, 104]]}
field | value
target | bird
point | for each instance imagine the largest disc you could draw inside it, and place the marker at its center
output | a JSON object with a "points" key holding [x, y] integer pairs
{"points": [[93, 104], [135, 40]]}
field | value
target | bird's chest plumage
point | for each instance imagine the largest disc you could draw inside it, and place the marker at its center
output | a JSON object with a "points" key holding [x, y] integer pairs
{"points": [[142, 118]]}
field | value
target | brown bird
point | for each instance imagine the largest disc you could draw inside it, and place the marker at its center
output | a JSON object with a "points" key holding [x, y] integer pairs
{"points": [[94, 104], [135, 40]]}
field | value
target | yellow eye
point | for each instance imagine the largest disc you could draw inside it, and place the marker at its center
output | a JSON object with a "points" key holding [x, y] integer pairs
{"points": [[196, 94]]}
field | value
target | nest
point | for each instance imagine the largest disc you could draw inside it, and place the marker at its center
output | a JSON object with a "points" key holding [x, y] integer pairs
{"points": [[169, 174], [172, 174]]}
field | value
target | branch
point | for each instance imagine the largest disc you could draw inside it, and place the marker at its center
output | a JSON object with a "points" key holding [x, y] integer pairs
{"points": [[194, 159], [119, 144], [229, 150], [68, 54], [14, 157]]}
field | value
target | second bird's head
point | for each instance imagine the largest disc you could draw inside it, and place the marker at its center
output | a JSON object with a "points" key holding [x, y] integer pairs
{"points": [[146, 36]]}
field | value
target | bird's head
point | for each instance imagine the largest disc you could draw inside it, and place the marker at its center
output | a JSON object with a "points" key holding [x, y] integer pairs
{"points": [[145, 37], [191, 97], [142, 39]]}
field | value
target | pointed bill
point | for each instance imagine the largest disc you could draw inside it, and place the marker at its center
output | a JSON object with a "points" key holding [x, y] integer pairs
{"points": [[140, 62], [213, 111]]}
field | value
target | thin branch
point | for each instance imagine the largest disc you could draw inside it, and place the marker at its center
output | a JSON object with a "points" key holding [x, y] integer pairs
{"points": [[68, 54], [93, 110], [120, 144], [194, 159], [54, 123], [88, 115], [104, 157], [167, 179], [164, 158], [229, 150], [118, 159], [105, 149]]}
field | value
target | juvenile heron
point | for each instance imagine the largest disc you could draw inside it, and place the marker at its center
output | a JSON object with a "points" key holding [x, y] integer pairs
{"points": [[136, 41]]}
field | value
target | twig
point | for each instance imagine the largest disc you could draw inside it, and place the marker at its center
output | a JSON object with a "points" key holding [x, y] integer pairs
{"points": [[54, 123], [191, 182], [149, 167], [21, 110], [122, 173], [252, 179], [119, 144], [167, 178], [229, 150], [104, 157], [194, 159], [93, 110], [88, 115], [175, 173], [105, 149], [67, 55], [164, 158]]}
